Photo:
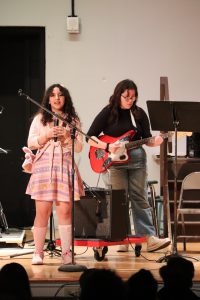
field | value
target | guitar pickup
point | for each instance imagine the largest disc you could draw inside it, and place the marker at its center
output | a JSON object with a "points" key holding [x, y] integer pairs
{"points": [[99, 153], [107, 162]]}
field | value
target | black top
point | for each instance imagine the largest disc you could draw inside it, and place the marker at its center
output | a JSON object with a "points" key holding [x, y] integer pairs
{"points": [[101, 123]]}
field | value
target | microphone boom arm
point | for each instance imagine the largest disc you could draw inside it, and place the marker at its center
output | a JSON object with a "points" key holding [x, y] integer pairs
{"points": [[21, 94]]}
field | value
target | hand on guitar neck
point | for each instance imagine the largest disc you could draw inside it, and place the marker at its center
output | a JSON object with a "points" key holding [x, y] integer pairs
{"points": [[155, 141]]}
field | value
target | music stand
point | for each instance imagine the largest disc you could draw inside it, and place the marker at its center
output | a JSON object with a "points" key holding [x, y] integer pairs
{"points": [[174, 116]]}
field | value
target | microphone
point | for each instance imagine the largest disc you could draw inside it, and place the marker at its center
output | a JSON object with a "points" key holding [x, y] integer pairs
{"points": [[56, 122]]}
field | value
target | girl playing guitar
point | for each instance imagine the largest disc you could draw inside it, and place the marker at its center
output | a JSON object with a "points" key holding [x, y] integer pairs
{"points": [[120, 116]]}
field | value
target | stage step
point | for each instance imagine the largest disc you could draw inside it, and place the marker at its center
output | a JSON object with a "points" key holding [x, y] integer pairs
{"points": [[12, 236]]}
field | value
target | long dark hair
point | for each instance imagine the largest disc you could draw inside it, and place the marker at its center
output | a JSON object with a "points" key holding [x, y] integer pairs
{"points": [[67, 109], [115, 99]]}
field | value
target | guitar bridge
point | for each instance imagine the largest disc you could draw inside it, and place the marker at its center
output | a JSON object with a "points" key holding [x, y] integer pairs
{"points": [[99, 153]]}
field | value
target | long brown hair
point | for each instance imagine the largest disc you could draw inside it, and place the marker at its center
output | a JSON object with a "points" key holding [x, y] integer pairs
{"points": [[115, 99], [68, 108]]}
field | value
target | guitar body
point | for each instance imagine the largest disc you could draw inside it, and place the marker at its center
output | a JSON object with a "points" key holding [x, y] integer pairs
{"points": [[100, 160]]}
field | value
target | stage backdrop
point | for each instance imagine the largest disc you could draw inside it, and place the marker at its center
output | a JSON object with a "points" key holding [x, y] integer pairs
{"points": [[22, 57]]}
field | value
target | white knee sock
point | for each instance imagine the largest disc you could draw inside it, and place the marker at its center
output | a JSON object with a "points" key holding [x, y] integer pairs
{"points": [[39, 234], [65, 232]]}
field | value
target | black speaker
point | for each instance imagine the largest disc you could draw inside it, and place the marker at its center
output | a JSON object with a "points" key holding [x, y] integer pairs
{"points": [[102, 214], [193, 145]]}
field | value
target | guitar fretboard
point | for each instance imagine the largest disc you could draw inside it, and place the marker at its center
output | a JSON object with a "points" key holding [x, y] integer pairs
{"points": [[137, 143]]}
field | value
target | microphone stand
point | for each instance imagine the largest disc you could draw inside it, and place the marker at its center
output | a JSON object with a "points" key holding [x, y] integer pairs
{"points": [[51, 246], [98, 199], [55, 115], [73, 267]]}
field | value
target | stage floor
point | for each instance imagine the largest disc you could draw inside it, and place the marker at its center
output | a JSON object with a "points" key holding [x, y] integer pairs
{"points": [[46, 279]]}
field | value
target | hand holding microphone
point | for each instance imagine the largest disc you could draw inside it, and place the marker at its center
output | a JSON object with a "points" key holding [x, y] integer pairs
{"points": [[56, 123], [60, 131]]}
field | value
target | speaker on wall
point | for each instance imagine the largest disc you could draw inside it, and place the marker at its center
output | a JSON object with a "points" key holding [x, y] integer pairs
{"points": [[103, 214]]}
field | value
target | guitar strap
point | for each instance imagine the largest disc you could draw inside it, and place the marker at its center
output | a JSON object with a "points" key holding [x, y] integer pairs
{"points": [[133, 119]]}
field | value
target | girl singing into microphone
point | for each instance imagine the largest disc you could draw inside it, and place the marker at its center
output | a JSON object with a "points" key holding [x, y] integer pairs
{"points": [[50, 181]]}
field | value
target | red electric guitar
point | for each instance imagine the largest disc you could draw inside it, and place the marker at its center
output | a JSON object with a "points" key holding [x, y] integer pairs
{"points": [[100, 160]]}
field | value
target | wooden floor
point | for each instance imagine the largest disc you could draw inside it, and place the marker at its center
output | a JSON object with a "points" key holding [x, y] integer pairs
{"points": [[125, 264]]}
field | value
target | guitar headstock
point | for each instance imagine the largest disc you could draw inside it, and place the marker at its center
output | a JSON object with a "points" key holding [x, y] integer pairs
{"points": [[184, 133], [180, 134]]}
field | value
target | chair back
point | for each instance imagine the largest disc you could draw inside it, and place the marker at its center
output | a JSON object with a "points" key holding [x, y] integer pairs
{"points": [[191, 181]]}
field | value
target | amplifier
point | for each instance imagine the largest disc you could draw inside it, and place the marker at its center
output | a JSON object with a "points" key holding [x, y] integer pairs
{"points": [[193, 145], [102, 214]]}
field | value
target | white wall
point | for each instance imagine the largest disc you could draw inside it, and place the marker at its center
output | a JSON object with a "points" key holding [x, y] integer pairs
{"points": [[137, 39]]}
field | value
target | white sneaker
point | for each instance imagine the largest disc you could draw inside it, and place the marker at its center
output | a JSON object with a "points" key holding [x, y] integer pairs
{"points": [[154, 243], [123, 248], [37, 258]]}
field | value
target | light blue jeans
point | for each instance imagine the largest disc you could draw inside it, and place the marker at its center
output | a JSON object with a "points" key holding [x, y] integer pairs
{"points": [[132, 177]]}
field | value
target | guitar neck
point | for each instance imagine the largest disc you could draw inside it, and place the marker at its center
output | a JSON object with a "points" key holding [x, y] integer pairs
{"points": [[138, 143]]}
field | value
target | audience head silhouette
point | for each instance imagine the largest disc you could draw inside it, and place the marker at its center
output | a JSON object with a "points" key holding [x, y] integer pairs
{"points": [[14, 282], [101, 284], [178, 272], [177, 277], [142, 285]]}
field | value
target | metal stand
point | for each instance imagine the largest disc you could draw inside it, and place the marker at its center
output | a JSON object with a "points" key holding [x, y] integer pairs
{"points": [[152, 201], [174, 243], [73, 267], [98, 199], [3, 221], [182, 116], [51, 246]]}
